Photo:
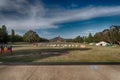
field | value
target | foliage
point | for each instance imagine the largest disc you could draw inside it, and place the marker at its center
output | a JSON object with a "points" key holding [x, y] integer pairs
{"points": [[89, 39], [18, 38], [111, 35], [31, 36], [69, 40], [43, 40], [78, 39], [12, 35], [3, 34]]}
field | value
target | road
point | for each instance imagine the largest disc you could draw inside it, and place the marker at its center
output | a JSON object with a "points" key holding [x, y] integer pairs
{"points": [[60, 72]]}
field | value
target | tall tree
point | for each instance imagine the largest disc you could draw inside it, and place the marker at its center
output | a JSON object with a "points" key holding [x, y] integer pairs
{"points": [[115, 33], [1, 35], [4, 28], [31, 36], [4, 34], [90, 38], [12, 35], [98, 37], [107, 36]]}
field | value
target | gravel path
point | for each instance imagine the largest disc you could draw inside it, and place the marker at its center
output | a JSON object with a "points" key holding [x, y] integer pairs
{"points": [[62, 72]]}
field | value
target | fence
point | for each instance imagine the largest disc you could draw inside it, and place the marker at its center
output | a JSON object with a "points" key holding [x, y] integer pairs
{"points": [[59, 45]]}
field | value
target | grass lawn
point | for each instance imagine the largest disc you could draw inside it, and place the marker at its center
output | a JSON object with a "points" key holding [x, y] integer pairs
{"points": [[28, 53]]}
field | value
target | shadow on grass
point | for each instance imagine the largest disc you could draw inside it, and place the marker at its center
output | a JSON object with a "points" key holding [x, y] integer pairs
{"points": [[65, 49], [30, 55], [18, 46]]}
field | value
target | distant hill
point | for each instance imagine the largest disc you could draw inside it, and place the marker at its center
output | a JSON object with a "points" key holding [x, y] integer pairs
{"points": [[58, 39]]}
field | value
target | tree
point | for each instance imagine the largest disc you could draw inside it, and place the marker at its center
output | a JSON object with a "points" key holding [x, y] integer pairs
{"points": [[31, 36], [4, 28], [115, 33], [3, 34], [107, 36], [43, 40], [18, 38], [89, 38], [69, 40], [111, 35], [12, 36], [78, 39], [98, 37]]}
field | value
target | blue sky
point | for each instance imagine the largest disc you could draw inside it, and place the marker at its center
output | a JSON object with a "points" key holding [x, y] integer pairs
{"points": [[67, 18]]}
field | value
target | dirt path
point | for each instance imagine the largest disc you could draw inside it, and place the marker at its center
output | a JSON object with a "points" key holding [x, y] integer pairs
{"points": [[82, 72]]}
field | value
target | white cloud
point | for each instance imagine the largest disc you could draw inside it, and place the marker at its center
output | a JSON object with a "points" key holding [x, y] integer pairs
{"points": [[46, 32], [2, 2], [86, 13], [34, 15], [28, 24], [19, 33]]}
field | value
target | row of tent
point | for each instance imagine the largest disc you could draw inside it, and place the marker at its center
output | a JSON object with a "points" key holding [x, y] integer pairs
{"points": [[59, 45]]}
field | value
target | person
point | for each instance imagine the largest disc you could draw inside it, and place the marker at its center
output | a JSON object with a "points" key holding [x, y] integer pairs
{"points": [[9, 49], [2, 49], [5, 49]]}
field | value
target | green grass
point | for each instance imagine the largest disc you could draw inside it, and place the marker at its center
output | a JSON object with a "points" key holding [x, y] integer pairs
{"points": [[28, 53]]}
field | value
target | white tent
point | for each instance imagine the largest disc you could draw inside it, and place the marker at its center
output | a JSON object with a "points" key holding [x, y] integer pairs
{"points": [[102, 43]]}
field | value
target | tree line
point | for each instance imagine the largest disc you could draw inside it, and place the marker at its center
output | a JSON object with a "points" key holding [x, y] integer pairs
{"points": [[5, 37], [29, 36], [111, 35]]}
